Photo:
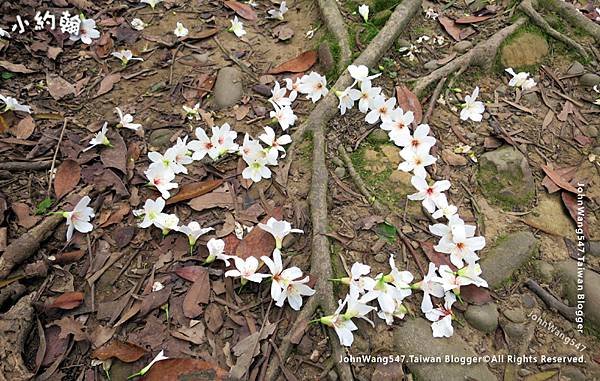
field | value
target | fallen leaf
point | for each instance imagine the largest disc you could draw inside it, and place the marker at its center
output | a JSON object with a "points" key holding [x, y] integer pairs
{"points": [[184, 369], [567, 109], [190, 273], [108, 83], [243, 10], [258, 242], [283, 32], [53, 52], [67, 177], [154, 300], [193, 334], [472, 19], [408, 101], [301, 63], [104, 46], [122, 235], [558, 180], [213, 317], [117, 216], [450, 27], [198, 293], [59, 87], [193, 190], [570, 201], [15, 68], [67, 301], [115, 156], [247, 348], [436, 257], [475, 295], [124, 351], [24, 216], [66, 258], [24, 128], [218, 198]]}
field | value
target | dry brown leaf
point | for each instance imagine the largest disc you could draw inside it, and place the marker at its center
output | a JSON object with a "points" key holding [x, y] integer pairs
{"points": [[108, 83], [24, 128], [59, 87], [558, 180], [15, 68], [198, 293], [193, 190], [218, 198], [450, 27], [301, 63], [408, 101], [24, 216], [243, 10], [126, 352], [117, 215], [185, 368], [67, 301], [258, 242], [115, 156], [67, 177]]}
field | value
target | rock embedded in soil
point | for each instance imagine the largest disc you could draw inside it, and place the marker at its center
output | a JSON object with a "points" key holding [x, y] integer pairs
{"points": [[414, 338], [576, 68], [326, 59], [516, 315], [505, 178], [507, 256], [568, 273], [431, 65], [462, 46], [453, 158], [483, 318], [544, 270], [524, 50], [589, 80], [161, 138], [228, 88], [378, 136], [340, 172]]}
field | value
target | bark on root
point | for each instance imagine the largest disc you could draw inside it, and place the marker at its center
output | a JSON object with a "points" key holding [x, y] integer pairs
{"points": [[325, 110], [27, 244], [482, 54], [335, 23], [575, 17], [14, 329], [528, 7]]}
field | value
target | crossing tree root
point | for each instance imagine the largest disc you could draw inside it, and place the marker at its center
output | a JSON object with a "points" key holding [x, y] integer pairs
{"points": [[528, 7], [14, 329], [320, 268], [576, 18], [335, 24], [482, 54]]}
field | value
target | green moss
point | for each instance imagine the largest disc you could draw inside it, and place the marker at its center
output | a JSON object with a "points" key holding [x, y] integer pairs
{"points": [[306, 147], [493, 185]]}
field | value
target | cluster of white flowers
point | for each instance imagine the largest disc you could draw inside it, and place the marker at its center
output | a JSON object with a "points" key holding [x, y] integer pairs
{"points": [[521, 80], [456, 238], [100, 138]]}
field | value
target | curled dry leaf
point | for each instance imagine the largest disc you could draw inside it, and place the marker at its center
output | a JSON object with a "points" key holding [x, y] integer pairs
{"points": [[301, 63], [181, 369], [126, 352], [558, 180], [24, 128], [243, 10], [193, 190], [570, 201], [67, 177], [67, 301], [24, 216], [408, 101], [66, 258], [15, 68], [108, 83], [450, 27]]}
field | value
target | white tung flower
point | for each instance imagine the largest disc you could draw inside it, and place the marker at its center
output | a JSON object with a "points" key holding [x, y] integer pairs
{"points": [[237, 27], [278, 13], [4, 33], [367, 96], [347, 98], [430, 287], [151, 212], [284, 115], [161, 177], [126, 120], [431, 195], [151, 3], [314, 86], [472, 108], [397, 126], [87, 31], [521, 80], [193, 231], [278, 229], [100, 138], [278, 96], [180, 30], [125, 56], [11, 104], [192, 112], [360, 73], [246, 270], [275, 143], [79, 218], [363, 11], [416, 161], [138, 24], [382, 110]]}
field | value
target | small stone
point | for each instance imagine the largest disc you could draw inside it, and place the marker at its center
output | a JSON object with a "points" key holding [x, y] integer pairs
{"points": [[431, 65], [483, 318], [381, 257], [516, 315], [572, 374], [401, 177], [589, 80], [332, 375], [392, 153], [378, 136], [337, 161], [391, 371], [529, 301], [402, 43], [462, 46], [532, 98], [568, 275], [325, 57], [545, 271], [340, 172], [516, 332], [453, 158], [509, 254], [594, 248], [160, 138], [576, 68], [228, 88]]}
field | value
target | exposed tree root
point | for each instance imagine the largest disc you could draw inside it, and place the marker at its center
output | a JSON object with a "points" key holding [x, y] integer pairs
{"points": [[575, 17], [14, 328], [325, 110], [482, 54], [26, 165], [335, 24], [528, 7], [27, 244]]}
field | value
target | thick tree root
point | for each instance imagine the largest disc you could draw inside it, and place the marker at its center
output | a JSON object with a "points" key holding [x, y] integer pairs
{"points": [[14, 328], [528, 7], [27, 244], [482, 54], [575, 17], [335, 23], [325, 110]]}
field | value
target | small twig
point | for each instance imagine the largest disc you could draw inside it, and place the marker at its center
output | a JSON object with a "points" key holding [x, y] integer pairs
{"points": [[551, 301], [433, 100], [15, 166], [51, 174], [173, 59]]}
